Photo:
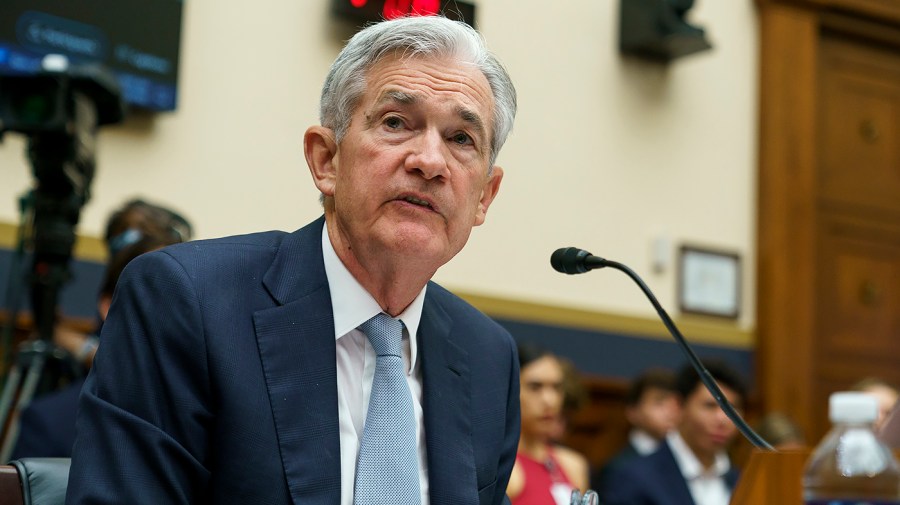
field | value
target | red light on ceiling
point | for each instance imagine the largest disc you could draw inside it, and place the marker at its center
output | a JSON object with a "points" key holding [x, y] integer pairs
{"points": [[400, 8], [358, 3]]}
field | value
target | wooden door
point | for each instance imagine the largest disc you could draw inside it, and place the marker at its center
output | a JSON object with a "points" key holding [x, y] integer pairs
{"points": [[829, 207]]}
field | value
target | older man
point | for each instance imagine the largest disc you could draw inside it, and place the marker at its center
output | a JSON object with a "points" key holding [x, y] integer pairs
{"points": [[254, 369]]}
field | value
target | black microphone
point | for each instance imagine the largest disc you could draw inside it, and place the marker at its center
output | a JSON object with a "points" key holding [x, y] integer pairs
{"points": [[572, 260]]}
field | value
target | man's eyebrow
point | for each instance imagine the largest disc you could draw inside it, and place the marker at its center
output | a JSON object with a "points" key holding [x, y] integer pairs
{"points": [[391, 96], [395, 95], [473, 119]]}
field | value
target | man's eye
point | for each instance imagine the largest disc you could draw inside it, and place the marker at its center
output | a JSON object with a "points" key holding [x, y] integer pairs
{"points": [[461, 139], [393, 122]]}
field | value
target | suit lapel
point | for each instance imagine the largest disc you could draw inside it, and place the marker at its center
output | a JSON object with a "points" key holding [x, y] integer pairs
{"points": [[672, 478], [297, 349], [731, 478], [447, 408]]}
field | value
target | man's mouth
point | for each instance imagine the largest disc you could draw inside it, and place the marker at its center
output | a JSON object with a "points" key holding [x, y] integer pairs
{"points": [[416, 201]]}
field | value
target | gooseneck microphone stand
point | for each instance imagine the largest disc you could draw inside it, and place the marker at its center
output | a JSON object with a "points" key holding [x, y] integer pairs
{"points": [[572, 260]]}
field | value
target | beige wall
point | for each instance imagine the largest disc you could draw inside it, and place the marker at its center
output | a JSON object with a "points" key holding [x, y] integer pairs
{"points": [[607, 153]]}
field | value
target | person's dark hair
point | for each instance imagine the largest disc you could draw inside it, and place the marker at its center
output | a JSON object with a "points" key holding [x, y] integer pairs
{"points": [[137, 219], [654, 378], [687, 379], [574, 393], [529, 352]]}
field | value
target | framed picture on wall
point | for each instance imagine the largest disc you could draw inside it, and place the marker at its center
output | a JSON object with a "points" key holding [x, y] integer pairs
{"points": [[709, 282]]}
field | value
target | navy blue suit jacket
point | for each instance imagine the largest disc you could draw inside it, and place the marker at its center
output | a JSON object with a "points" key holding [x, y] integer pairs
{"points": [[652, 480], [216, 383], [47, 425], [600, 478]]}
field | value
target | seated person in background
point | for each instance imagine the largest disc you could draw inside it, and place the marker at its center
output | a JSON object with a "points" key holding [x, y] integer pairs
{"points": [[47, 424], [781, 431], [652, 410], [574, 397], [135, 220], [691, 466], [138, 218], [545, 473], [885, 393]]}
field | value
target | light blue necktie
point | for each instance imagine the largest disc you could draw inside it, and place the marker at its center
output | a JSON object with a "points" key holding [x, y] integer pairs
{"points": [[387, 471]]}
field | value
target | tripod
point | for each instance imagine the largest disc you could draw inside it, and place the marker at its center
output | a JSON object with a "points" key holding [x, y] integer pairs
{"points": [[40, 366], [60, 109]]}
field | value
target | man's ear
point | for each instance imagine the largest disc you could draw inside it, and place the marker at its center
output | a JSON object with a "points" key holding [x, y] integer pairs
{"points": [[320, 149], [488, 193]]}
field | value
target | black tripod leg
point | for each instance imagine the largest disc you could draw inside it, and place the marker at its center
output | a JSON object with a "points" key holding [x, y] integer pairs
{"points": [[26, 393], [13, 379]]}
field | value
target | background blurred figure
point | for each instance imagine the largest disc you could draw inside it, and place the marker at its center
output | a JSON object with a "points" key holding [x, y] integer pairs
{"points": [[886, 394], [136, 220], [691, 467], [545, 473], [652, 409], [779, 430], [574, 397], [47, 425]]}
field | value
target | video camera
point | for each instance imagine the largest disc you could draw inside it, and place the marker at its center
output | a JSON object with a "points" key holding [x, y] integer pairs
{"points": [[59, 108]]}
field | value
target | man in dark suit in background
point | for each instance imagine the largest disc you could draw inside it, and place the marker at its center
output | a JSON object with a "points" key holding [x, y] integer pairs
{"points": [[652, 409], [235, 370], [691, 466]]}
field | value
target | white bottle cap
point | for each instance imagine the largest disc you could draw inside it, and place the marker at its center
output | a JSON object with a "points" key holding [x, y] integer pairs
{"points": [[852, 407]]}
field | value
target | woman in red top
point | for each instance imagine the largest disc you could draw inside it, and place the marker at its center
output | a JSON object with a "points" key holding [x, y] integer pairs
{"points": [[545, 472]]}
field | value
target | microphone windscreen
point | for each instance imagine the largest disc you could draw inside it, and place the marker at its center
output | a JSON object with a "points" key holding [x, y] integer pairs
{"points": [[569, 260]]}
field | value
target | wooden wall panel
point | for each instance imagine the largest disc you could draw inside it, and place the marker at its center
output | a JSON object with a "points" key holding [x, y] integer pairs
{"points": [[860, 108], [829, 205], [786, 241]]}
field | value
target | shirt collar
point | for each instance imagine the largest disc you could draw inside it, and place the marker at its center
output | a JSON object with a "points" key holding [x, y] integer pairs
{"points": [[690, 466], [352, 305], [642, 442]]}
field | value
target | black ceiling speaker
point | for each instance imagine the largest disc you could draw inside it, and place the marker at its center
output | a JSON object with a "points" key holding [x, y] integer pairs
{"points": [[657, 30]]}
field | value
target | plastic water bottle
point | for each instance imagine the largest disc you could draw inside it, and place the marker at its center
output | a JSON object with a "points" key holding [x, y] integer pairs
{"points": [[851, 466]]}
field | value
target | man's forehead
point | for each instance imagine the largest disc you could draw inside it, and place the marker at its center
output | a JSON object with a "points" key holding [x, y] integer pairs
{"points": [[438, 73]]}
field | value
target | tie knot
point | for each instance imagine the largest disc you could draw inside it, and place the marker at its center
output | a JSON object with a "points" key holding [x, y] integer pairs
{"points": [[385, 334]]}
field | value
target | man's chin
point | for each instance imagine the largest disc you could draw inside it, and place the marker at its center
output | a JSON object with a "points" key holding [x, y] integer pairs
{"points": [[413, 239]]}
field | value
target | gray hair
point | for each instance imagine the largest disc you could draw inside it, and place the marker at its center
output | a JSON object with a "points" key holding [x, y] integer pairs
{"points": [[413, 36]]}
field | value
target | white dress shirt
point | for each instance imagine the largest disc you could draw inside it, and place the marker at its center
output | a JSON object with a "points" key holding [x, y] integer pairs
{"points": [[642, 442], [707, 485], [352, 305]]}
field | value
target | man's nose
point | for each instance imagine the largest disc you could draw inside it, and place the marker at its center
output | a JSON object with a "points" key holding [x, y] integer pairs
{"points": [[428, 155]]}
